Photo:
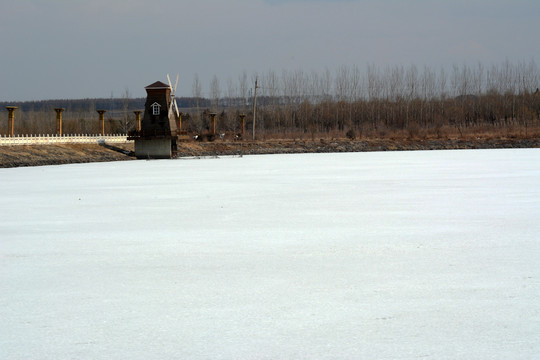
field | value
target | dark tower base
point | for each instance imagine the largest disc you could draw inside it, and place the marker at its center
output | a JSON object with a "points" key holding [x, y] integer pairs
{"points": [[157, 148]]}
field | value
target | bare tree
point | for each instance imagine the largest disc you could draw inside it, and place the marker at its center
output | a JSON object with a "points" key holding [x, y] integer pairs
{"points": [[197, 93], [127, 121], [428, 84], [442, 83], [342, 82], [231, 92], [215, 92], [478, 79], [243, 87], [325, 84], [270, 87]]}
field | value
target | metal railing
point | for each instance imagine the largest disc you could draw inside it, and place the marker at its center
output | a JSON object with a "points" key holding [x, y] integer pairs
{"points": [[62, 139]]}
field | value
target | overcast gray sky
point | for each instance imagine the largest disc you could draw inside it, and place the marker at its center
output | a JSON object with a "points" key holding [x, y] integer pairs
{"points": [[87, 49]]}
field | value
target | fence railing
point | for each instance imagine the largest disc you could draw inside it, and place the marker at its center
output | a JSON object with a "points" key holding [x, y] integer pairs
{"points": [[62, 139]]}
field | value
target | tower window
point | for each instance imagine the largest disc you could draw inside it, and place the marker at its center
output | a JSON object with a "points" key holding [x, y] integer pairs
{"points": [[156, 108]]}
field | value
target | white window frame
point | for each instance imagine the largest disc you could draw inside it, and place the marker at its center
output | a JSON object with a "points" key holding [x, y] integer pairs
{"points": [[156, 108]]}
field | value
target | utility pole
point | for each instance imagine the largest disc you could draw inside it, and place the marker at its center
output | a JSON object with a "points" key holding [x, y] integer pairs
{"points": [[255, 107]]}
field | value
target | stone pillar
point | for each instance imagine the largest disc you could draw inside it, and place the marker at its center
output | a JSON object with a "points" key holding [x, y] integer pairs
{"points": [[101, 121], [213, 123], [59, 120], [137, 119], [11, 119], [243, 124]]}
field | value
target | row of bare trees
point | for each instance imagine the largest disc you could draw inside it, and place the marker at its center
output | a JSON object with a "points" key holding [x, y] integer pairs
{"points": [[391, 83], [379, 100], [373, 101]]}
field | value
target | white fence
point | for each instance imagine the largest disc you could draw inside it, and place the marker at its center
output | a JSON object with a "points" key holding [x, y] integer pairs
{"points": [[61, 139]]}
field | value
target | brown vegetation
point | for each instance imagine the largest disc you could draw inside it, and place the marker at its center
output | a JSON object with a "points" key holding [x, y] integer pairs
{"points": [[34, 155], [394, 108], [501, 101], [38, 155], [287, 146]]}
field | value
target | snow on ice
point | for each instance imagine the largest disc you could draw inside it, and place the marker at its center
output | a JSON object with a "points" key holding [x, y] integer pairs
{"points": [[398, 255]]}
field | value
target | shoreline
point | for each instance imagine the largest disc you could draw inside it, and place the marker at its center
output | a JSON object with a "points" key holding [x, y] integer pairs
{"points": [[41, 155]]}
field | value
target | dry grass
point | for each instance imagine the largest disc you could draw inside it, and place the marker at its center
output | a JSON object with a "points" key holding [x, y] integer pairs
{"points": [[416, 132], [36, 155], [369, 139]]}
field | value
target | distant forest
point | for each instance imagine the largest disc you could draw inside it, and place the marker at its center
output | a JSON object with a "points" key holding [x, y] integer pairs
{"points": [[88, 105], [379, 102]]}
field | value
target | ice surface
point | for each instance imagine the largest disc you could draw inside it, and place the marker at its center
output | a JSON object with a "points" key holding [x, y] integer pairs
{"points": [[398, 255]]}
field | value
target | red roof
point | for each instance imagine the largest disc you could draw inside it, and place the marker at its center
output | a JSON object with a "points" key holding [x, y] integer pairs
{"points": [[158, 85]]}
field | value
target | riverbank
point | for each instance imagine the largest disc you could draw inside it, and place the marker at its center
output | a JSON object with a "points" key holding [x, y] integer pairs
{"points": [[39, 155], [342, 145]]}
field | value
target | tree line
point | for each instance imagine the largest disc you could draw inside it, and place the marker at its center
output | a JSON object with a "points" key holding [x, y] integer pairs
{"points": [[373, 101]]}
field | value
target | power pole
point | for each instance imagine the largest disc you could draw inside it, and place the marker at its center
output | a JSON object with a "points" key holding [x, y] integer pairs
{"points": [[255, 107]]}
